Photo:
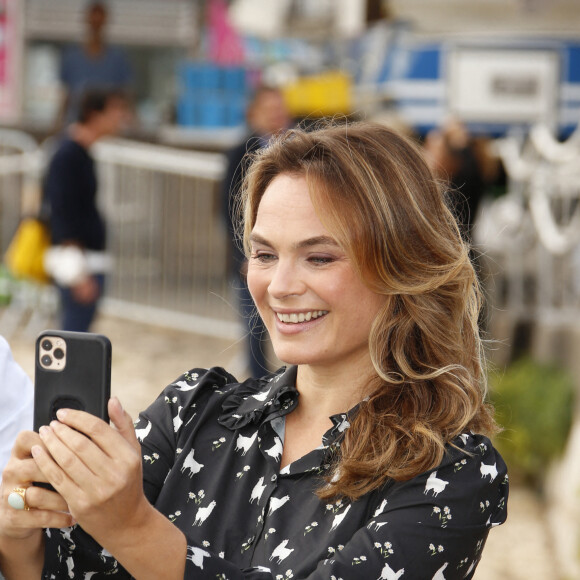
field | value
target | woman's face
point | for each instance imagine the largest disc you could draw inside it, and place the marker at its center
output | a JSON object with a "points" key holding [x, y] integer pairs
{"points": [[316, 308]]}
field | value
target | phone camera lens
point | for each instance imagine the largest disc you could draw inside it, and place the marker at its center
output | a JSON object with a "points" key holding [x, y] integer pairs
{"points": [[58, 353], [46, 344], [46, 360]]}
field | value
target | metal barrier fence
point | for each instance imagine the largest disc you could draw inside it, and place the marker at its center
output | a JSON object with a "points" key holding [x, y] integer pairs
{"points": [[166, 237]]}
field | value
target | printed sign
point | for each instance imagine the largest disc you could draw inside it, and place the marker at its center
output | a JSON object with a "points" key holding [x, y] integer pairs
{"points": [[497, 85]]}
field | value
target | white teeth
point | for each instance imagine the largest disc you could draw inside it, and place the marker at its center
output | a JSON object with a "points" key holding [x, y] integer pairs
{"points": [[296, 317]]}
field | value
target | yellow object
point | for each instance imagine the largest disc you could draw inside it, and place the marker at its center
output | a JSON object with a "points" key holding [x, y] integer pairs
{"points": [[25, 254], [321, 95]]}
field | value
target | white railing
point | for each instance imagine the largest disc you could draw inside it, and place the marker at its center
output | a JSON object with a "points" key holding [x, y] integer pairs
{"points": [[166, 236]]}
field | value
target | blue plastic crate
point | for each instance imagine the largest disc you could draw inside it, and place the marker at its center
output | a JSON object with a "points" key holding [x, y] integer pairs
{"points": [[234, 79], [187, 111], [236, 110], [212, 111]]}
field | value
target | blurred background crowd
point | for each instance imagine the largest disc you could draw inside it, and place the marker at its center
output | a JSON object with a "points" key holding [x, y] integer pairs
{"points": [[489, 88]]}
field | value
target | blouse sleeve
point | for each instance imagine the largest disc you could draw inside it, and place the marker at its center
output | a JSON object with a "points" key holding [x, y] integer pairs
{"points": [[156, 427]]}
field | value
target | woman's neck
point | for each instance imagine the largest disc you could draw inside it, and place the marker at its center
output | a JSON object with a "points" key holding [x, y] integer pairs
{"points": [[327, 391]]}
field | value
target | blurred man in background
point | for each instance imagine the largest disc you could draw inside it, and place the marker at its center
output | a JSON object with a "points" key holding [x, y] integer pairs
{"points": [[267, 114], [94, 64], [77, 227]]}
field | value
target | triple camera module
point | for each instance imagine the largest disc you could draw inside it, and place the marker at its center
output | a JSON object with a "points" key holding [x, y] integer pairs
{"points": [[52, 353]]}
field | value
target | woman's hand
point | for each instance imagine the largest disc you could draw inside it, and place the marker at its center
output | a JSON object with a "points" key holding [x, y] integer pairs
{"points": [[46, 508], [96, 468]]}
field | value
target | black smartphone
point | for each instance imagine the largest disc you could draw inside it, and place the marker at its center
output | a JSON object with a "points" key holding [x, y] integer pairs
{"points": [[72, 371]]}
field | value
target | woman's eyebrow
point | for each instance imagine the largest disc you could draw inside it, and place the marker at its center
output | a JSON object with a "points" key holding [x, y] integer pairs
{"points": [[307, 243], [258, 239], [317, 241]]}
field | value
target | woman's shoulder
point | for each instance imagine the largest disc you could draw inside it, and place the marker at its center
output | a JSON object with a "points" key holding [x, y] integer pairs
{"points": [[472, 476], [472, 460]]}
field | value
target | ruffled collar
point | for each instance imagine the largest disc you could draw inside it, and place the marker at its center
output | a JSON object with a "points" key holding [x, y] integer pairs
{"points": [[259, 400]]}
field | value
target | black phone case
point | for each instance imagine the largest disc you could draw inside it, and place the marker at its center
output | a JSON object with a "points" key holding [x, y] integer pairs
{"points": [[84, 383]]}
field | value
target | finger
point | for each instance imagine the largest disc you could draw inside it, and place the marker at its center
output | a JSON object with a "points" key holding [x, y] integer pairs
{"points": [[83, 448], [35, 518], [99, 432], [123, 422], [58, 463], [21, 473], [41, 498], [24, 441]]}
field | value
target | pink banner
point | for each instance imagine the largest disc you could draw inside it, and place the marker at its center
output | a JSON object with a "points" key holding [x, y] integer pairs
{"points": [[10, 47]]}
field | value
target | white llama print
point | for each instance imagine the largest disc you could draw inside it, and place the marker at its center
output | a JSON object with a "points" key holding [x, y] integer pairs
{"points": [[244, 443], [435, 484], [197, 556], [203, 513], [258, 490], [142, 433], [191, 464], [490, 470], [389, 574], [281, 551]]}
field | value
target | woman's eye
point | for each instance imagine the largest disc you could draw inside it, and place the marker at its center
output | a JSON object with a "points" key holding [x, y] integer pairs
{"points": [[321, 259], [263, 257]]}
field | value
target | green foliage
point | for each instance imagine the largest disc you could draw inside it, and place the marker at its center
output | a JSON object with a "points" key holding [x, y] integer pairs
{"points": [[6, 285], [534, 405]]}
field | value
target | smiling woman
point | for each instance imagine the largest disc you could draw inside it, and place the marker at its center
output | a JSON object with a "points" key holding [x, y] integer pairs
{"points": [[365, 457], [413, 291]]}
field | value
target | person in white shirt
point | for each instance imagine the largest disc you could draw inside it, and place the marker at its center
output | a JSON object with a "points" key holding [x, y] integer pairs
{"points": [[16, 401]]}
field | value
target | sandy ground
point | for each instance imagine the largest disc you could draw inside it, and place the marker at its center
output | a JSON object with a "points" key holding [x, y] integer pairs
{"points": [[146, 358]]}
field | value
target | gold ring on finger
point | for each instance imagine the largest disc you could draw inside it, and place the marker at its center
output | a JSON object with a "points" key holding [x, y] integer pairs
{"points": [[17, 499]]}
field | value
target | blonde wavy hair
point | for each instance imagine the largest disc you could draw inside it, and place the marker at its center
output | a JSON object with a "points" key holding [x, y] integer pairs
{"points": [[373, 190]]}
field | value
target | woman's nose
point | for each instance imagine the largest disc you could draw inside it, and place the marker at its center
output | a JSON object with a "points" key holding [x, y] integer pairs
{"points": [[286, 280]]}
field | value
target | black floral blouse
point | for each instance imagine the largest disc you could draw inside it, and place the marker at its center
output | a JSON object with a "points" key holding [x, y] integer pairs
{"points": [[211, 455]]}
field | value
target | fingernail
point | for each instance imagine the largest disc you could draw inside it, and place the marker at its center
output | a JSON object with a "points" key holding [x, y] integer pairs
{"points": [[118, 403], [44, 431], [36, 450], [61, 413]]}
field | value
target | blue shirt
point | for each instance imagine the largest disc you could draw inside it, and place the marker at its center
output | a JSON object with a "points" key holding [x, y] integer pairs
{"points": [[79, 72]]}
